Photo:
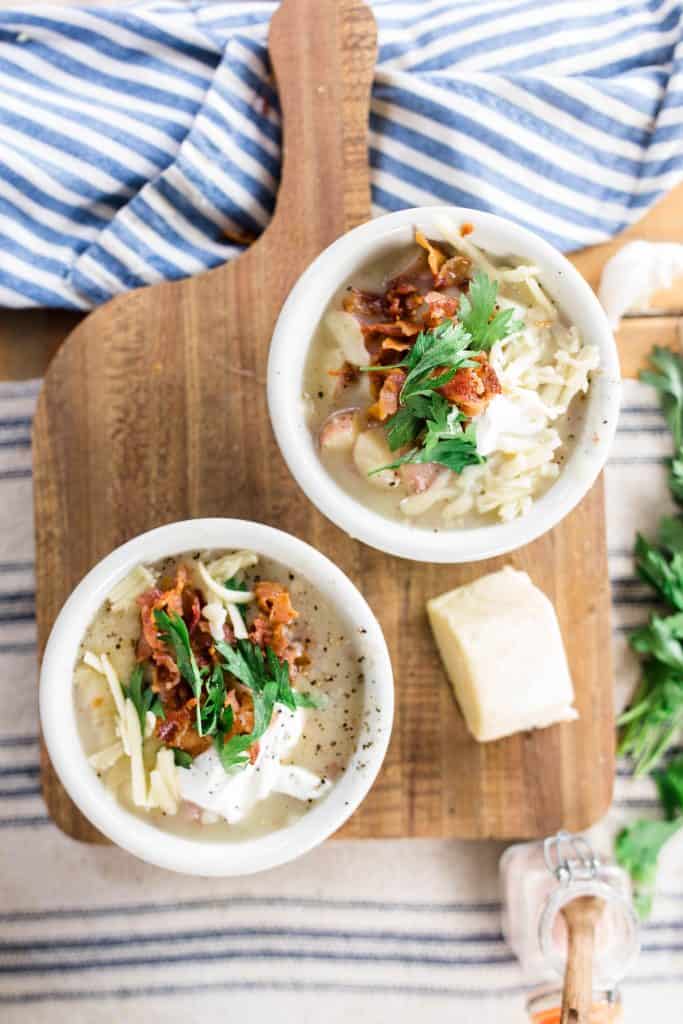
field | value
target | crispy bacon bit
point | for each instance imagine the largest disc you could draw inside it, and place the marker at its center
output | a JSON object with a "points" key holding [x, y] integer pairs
{"points": [[435, 258], [242, 704], [192, 609], [387, 402], [271, 628], [466, 229], [402, 298], [398, 329], [178, 730], [150, 645], [439, 307], [366, 305], [455, 273], [265, 634], [260, 632], [393, 345], [274, 600], [472, 388]]}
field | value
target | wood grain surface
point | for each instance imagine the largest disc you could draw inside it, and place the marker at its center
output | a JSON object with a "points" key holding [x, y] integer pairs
{"points": [[154, 410]]}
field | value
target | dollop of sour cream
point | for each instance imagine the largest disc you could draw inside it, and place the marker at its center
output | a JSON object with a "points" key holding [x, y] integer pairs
{"points": [[519, 415], [233, 795]]}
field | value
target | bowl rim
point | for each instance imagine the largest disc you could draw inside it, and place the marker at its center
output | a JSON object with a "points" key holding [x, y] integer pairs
{"points": [[59, 721], [286, 363]]}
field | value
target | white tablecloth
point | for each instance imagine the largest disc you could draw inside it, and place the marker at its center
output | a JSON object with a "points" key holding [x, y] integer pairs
{"points": [[365, 930]]}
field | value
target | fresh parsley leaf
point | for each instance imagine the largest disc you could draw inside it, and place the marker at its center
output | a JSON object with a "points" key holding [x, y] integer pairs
{"points": [[157, 708], [214, 702], [476, 313], [670, 535], [676, 479], [143, 697], [667, 378], [234, 584], [243, 663], [444, 441], [670, 785], [407, 424], [173, 632], [181, 757], [655, 715], [455, 452], [444, 347], [234, 753], [661, 640], [663, 573], [268, 680], [637, 850]]}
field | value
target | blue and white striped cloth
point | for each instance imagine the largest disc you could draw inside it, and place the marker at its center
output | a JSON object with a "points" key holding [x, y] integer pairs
{"points": [[142, 141], [366, 931]]}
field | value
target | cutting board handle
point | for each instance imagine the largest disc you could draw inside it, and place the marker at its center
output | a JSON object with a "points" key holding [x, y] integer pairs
{"points": [[323, 55]]}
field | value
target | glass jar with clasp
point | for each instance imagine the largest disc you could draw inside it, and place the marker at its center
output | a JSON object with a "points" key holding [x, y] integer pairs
{"points": [[539, 879]]}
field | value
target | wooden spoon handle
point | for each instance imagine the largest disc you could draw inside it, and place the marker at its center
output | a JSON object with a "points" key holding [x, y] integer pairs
{"points": [[323, 54], [577, 997]]}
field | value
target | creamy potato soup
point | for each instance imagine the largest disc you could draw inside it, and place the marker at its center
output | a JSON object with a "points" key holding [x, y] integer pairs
{"points": [[217, 694], [444, 386]]}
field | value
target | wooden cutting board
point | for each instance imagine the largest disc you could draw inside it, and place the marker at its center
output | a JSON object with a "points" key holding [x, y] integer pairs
{"points": [[154, 410]]}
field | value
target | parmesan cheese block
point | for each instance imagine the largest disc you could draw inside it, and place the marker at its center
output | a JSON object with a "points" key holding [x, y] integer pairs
{"points": [[500, 643]]}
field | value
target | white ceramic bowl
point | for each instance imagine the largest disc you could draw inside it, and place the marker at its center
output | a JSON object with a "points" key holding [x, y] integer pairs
{"points": [[293, 334], [58, 717]]}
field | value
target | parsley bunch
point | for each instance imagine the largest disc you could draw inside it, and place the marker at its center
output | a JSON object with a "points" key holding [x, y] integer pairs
{"points": [[654, 720], [425, 419]]}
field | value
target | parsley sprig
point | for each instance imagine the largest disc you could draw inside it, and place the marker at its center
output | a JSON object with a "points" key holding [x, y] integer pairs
{"points": [[267, 679], [173, 632], [478, 317], [444, 439], [425, 420]]}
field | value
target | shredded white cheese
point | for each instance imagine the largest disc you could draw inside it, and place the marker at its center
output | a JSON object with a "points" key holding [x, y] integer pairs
{"points": [[229, 565], [238, 626], [123, 595], [215, 614], [164, 790], [133, 741], [105, 668], [127, 727], [221, 592], [105, 759]]}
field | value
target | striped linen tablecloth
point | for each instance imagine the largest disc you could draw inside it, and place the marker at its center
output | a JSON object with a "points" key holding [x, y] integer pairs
{"points": [[366, 930], [135, 142]]}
